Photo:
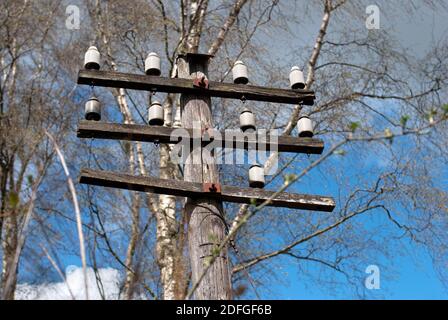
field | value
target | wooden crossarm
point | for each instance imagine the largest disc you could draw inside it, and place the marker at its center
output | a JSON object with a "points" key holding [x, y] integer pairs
{"points": [[195, 190], [175, 85], [233, 139]]}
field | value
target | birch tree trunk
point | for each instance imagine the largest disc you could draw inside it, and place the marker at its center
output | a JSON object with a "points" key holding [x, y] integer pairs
{"points": [[130, 279], [9, 246]]}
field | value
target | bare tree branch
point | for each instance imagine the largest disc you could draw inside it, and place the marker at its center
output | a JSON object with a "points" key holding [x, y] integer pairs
{"points": [[71, 186], [226, 26]]}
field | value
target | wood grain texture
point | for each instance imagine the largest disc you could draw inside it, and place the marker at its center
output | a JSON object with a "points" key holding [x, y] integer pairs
{"points": [[178, 85], [134, 132], [194, 190], [206, 228]]}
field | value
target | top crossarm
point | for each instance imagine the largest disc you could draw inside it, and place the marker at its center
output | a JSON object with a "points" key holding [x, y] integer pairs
{"points": [[176, 85]]}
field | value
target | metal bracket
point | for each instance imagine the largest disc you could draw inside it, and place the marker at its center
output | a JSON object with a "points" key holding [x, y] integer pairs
{"points": [[200, 81], [211, 187]]}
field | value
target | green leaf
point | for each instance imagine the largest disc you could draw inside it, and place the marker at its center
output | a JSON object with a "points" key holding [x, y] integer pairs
{"points": [[353, 126], [389, 135], [212, 237], [13, 199], [430, 115], [404, 119], [215, 251], [445, 108], [207, 261], [290, 178], [30, 179], [340, 152]]}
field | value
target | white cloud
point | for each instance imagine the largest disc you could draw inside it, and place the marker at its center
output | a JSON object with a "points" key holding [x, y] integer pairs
{"points": [[110, 279]]}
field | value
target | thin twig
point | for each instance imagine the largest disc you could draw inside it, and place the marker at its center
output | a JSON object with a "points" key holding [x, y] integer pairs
{"points": [[58, 270], [71, 186], [249, 214]]}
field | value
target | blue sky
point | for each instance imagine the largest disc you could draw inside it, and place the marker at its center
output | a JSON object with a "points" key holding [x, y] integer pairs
{"points": [[415, 280], [410, 273], [413, 273]]}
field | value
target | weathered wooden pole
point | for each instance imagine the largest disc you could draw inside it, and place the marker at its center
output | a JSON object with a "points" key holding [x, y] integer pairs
{"points": [[206, 227]]}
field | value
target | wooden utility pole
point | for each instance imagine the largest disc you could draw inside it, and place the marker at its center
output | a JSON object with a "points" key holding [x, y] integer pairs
{"points": [[201, 187], [206, 228]]}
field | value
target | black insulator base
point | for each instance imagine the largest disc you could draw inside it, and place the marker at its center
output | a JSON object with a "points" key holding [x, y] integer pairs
{"points": [[241, 80], [248, 128], [256, 184], [94, 116], [156, 122], [153, 72], [299, 85], [306, 134], [92, 66]]}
